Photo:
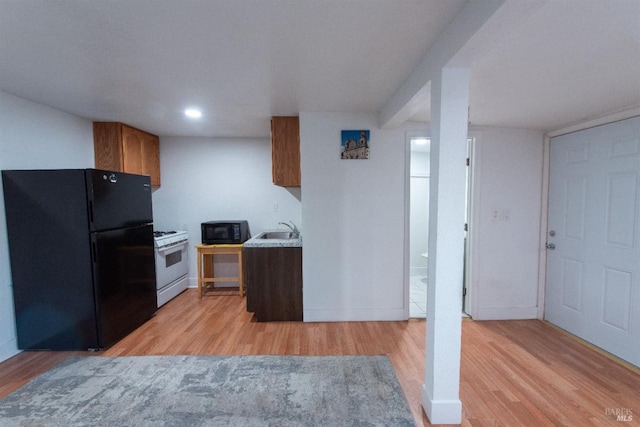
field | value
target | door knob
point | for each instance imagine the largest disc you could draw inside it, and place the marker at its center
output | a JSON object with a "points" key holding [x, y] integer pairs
{"points": [[550, 246]]}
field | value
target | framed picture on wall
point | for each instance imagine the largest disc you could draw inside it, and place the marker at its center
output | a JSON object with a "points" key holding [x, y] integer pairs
{"points": [[355, 144]]}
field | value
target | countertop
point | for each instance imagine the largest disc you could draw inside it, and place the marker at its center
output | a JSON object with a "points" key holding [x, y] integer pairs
{"points": [[257, 242]]}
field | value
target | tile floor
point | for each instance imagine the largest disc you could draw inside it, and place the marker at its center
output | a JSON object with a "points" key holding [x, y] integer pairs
{"points": [[418, 297]]}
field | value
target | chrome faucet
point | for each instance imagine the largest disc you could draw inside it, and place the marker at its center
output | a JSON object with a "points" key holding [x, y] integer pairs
{"points": [[293, 228]]}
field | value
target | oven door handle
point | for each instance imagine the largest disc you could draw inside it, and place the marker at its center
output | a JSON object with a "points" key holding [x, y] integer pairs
{"points": [[175, 245]]}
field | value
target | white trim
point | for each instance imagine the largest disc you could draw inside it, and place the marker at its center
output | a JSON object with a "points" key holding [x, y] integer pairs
{"points": [[441, 411], [509, 313], [406, 274], [544, 224], [472, 138], [356, 315], [474, 218], [598, 121], [8, 349]]}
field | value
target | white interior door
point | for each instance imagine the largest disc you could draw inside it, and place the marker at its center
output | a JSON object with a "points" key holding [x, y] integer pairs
{"points": [[593, 267]]}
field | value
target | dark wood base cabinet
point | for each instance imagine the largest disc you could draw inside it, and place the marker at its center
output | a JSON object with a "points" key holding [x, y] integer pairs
{"points": [[273, 279]]}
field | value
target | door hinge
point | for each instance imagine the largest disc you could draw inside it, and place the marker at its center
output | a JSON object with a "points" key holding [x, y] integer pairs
{"points": [[466, 227], [468, 161], [464, 292]]}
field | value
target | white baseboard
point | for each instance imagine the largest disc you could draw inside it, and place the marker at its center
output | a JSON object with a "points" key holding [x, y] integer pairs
{"points": [[442, 411], [8, 349], [355, 315], [510, 313]]}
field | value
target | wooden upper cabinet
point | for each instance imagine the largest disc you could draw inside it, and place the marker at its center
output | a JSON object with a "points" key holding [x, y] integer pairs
{"points": [[123, 148], [285, 151], [151, 158]]}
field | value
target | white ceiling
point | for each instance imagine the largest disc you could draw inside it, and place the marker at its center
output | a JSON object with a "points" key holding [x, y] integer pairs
{"points": [[241, 61]]}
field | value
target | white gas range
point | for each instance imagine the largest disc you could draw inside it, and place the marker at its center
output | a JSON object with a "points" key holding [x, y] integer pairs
{"points": [[172, 266]]}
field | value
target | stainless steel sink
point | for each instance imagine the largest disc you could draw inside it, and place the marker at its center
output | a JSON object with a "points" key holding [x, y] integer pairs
{"points": [[276, 235]]}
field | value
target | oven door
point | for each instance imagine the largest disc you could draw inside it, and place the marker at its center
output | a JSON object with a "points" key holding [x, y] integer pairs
{"points": [[171, 263]]}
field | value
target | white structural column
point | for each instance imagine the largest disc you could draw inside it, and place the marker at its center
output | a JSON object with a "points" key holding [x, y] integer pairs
{"points": [[449, 112]]}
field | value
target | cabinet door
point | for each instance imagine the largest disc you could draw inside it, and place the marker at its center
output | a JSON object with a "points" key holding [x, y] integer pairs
{"points": [[141, 153], [274, 283], [285, 151], [250, 266], [107, 137], [132, 141], [151, 158], [122, 148]]}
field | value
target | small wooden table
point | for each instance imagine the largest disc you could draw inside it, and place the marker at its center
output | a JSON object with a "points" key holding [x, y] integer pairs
{"points": [[206, 276]]}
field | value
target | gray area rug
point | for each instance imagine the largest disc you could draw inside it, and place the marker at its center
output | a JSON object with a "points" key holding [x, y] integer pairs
{"points": [[211, 391]]}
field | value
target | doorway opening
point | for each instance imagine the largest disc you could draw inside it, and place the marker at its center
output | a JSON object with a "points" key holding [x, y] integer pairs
{"points": [[418, 235], [417, 230]]}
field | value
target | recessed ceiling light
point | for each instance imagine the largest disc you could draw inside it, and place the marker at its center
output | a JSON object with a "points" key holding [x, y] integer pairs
{"points": [[420, 141], [193, 113]]}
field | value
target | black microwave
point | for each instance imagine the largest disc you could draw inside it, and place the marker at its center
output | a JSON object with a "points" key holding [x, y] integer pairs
{"points": [[225, 232]]}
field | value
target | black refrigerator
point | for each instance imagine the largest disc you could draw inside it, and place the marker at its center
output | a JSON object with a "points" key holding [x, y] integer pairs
{"points": [[82, 256]]}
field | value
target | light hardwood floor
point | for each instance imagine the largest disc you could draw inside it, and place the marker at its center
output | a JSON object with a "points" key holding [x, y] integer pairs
{"points": [[512, 372]]}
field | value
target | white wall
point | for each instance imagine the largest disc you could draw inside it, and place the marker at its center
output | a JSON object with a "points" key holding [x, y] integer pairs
{"points": [[207, 179], [354, 271], [354, 221], [33, 136], [505, 224]]}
